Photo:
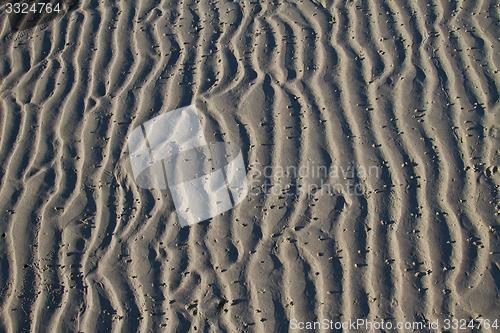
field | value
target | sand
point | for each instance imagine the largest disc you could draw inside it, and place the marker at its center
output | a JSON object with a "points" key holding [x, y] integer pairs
{"points": [[403, 92]]}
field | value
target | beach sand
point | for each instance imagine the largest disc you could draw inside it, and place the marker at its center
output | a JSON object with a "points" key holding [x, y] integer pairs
{"points": [[397, 100]]}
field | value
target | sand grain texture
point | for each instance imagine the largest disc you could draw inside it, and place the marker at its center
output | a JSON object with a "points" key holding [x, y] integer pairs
{"points": [[410, 87]]}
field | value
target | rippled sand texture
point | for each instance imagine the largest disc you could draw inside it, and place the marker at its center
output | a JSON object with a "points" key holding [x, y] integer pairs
{"points": [[410, 87]]}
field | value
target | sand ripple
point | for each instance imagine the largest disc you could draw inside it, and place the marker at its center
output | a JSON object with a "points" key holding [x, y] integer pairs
{"points": [[409, 87]]}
